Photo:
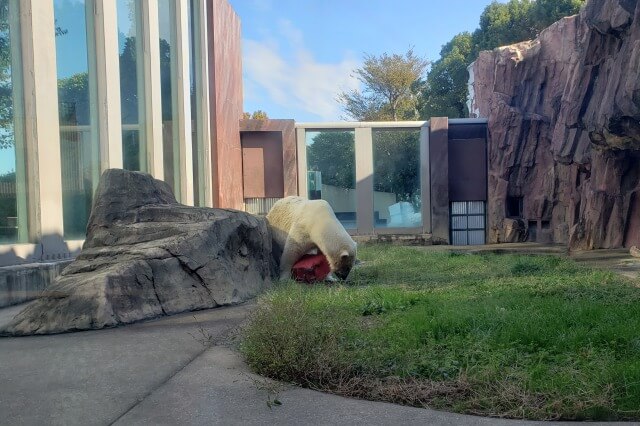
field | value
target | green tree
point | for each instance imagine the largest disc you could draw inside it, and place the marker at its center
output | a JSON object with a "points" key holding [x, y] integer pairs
{"points": [[389, 88], [546, 12], [333, 154], [129, 101], [445, 91], [6, 101], [396, 164], [73, 98], [257, 115], [504, 23]]}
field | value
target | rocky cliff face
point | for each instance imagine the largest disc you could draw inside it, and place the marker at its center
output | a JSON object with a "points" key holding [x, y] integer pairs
{"points": [[564, 124]]}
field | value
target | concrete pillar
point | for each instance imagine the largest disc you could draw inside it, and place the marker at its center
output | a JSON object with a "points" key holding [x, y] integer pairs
{"points": [[364, 180]]}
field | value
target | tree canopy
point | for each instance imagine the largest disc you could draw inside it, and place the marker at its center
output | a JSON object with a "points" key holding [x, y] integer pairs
{"points": [[333, 154], [256, 115], [389, 90], [444, 92]]}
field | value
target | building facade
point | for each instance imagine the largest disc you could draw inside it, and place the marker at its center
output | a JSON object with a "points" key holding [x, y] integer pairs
{"points": [[87, 85], [415, 181]]}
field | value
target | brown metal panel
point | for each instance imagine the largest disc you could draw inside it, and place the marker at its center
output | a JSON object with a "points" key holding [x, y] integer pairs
{"points": [[467, 169], [289, 152], [262, 159], [439, 163], [225, 98], [253, 172]]}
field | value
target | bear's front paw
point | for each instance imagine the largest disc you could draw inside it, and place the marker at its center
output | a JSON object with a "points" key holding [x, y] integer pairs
{"points": [[331, 278]]}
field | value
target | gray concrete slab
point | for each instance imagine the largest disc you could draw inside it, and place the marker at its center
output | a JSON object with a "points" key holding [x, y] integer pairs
{"points": [[218, 389], [91, 378]]}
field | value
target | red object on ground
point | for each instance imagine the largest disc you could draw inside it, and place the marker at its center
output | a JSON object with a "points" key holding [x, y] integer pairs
{"points": [[311, 268]]}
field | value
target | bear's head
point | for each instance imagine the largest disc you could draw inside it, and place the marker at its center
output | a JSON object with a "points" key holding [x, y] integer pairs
{"points": [[344, 262]]}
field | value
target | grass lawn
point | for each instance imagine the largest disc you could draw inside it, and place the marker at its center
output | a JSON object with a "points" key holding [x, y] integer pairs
{"points": [[535, 337]]}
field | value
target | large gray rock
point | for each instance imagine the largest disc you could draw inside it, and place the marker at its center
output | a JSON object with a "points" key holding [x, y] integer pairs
{"points": [[145, 256]]}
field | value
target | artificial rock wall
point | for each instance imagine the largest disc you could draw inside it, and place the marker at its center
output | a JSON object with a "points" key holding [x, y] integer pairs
{"points": [[564, 130]]}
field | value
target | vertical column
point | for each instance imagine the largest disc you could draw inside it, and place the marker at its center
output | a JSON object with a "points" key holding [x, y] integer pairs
{"points": [[17, 98], [302, 163], [425, 179], [108, 81], [289, 160], [225, 97], [439, 164], [152, 88], [183, 112], [42, 137], [364, 180]]}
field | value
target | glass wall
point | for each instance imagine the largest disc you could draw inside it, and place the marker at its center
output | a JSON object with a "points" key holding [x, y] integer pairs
{"points": [[75, 53], [195, 87], [331, 176], [134, 152], [13, 198], [169, 91], [396, 178]]}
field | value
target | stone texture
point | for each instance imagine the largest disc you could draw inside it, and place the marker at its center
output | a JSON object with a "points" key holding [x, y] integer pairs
{"points": [[145, 256], [564, 125]]}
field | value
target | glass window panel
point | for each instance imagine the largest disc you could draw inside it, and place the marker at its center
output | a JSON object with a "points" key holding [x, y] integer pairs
{"points": [[397, 200], [195, 86], [459, 238], [332, 173], [476, 222], [476, 207], [13, 198], [459, 207], [476, 237], [75, 59], [132, 104], [459, 222], [169, 92]]}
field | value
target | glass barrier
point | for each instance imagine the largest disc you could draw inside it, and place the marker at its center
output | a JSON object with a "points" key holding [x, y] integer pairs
{"points": [[331, 172], [397, 200]]}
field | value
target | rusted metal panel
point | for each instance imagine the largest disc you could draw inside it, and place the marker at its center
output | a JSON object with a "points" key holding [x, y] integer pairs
{"points": [[262, 164]]}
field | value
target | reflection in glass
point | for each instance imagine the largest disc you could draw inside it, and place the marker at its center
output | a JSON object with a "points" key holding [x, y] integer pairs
{"points": [[131, 85], [168, 88], [75, 53], [396, 178], [195, 86], [332, 171], [13, 200]]}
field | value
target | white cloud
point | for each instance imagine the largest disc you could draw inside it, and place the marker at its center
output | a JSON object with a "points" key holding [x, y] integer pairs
{"points": [[299, 81], [262, 5]]}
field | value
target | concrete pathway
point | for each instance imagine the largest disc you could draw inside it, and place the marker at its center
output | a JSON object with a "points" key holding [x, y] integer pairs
{"points": [[178, 370]]}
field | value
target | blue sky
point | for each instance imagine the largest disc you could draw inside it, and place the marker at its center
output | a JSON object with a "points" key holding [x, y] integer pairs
{"points": [[298, 54]]}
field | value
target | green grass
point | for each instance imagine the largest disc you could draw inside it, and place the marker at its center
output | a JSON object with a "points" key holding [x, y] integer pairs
{"points": [[535, 337]]}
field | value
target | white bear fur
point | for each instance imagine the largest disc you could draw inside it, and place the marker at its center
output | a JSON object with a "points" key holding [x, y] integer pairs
{"points": [[299, 225]]}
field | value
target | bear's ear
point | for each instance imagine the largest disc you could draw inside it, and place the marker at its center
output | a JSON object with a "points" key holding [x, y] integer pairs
{"points": [[344, 254]]}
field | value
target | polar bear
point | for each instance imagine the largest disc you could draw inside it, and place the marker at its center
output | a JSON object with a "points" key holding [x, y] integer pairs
{"points": [[300, 225]]}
